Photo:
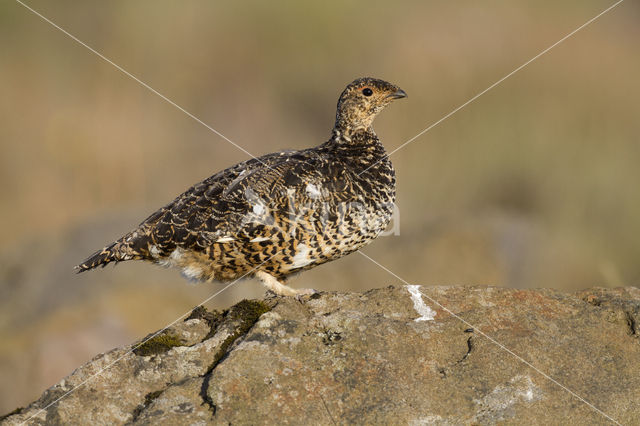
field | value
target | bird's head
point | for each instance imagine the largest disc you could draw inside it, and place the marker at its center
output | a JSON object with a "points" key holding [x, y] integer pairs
{"points": [[362, 100]]}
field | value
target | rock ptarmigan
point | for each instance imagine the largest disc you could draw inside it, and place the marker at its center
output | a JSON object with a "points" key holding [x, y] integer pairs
{"points": [[281, 213]]}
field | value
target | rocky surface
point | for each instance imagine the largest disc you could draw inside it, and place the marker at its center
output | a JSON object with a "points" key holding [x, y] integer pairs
{"points": [[373, 357]]}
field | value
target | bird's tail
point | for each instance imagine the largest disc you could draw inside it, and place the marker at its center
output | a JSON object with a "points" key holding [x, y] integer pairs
{"points": [[119, 251]]}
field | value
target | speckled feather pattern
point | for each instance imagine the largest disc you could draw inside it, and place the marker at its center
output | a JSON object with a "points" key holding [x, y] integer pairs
{"points": [[280, 213]]}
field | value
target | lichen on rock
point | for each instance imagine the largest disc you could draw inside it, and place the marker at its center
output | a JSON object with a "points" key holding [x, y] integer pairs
{"points": [[362, 358]]}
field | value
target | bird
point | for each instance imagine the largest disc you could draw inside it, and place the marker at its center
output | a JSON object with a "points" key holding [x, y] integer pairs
{"points": [[277, 215]]}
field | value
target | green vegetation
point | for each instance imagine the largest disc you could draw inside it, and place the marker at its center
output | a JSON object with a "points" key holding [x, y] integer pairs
{"points": [[157, 345], [247, 312]]}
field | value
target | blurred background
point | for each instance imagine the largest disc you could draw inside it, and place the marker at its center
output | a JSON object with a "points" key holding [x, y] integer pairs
{"points": [[535, 184]]}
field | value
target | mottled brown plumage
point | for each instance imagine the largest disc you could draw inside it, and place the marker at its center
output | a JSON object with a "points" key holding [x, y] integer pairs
{"points": [[281, 213]]}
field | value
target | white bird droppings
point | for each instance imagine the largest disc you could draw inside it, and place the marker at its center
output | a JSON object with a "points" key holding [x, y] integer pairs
{"points": [[426, 313]]}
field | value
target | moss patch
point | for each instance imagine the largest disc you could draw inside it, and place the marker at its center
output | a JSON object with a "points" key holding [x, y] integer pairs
{"points": [[158, 345], [247, 312], [212, 318]]}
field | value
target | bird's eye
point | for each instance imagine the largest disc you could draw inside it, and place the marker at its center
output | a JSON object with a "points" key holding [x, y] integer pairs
{"points": [[367, 92]]}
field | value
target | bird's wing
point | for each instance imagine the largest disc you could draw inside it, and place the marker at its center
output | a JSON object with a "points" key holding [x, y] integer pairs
{"points": [[179, 223], [243, 201]]}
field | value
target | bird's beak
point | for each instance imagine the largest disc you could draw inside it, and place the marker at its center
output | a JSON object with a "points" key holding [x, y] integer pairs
{"points": [[398, 94]]}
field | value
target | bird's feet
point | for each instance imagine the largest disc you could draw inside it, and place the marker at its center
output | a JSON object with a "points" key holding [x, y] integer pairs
{"points": [[301, 293], [275, 286]]}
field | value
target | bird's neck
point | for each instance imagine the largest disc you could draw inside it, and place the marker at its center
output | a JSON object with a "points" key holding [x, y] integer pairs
{"points": [[350, 134], [358, 147]]}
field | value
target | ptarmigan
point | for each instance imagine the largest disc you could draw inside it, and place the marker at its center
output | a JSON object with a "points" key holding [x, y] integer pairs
{"points": [[279, 214]]}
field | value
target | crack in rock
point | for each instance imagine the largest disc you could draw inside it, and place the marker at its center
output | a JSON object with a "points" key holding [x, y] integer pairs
{"points": [[443, 371], [206, 399], [212, 318], [631, 323], [469, 349], [148, 399], [233, 323], [361, 358]]}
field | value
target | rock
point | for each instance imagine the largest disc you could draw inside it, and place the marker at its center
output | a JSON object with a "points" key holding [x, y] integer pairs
{"points": [[373, 357]]}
